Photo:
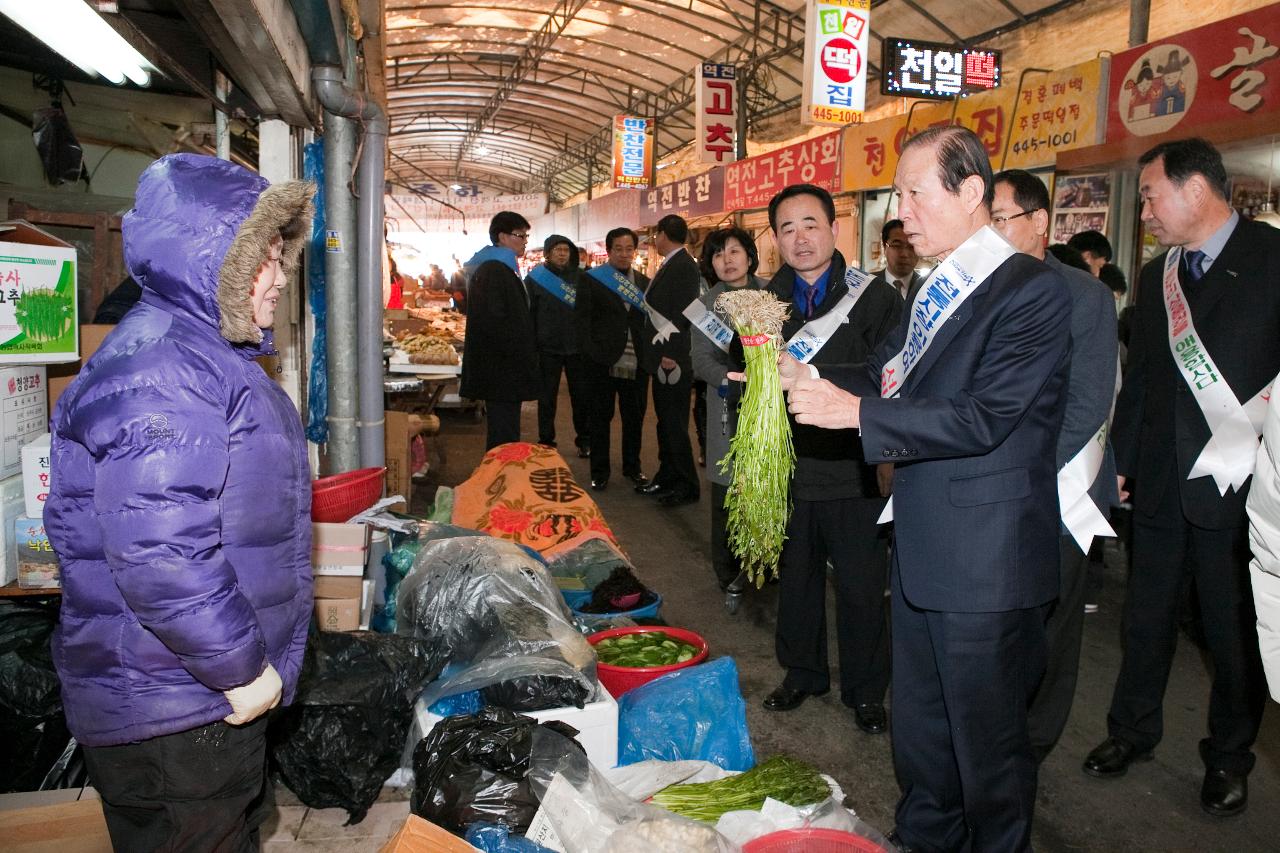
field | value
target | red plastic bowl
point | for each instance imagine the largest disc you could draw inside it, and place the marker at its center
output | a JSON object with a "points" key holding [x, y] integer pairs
{"points": [[812, 841], [619, 679], [336, 499]]}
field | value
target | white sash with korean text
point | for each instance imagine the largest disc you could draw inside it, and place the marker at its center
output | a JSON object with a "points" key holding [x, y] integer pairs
{"points": [[813, 335], [1080, 515], [712, 326], [942, 293], [1232, 450]]}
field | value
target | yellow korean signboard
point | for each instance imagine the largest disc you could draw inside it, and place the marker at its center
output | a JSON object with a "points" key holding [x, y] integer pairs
{"points": [[1036, 127]]}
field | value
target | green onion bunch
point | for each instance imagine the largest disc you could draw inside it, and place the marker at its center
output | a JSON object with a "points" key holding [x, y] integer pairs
{"points": [[42, 314], [760, 455], [782, 778]]}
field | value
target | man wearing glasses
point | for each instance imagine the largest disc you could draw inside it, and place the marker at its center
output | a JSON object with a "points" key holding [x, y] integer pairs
{"points": [[1086, 479], [500, 356], [899, 261]]}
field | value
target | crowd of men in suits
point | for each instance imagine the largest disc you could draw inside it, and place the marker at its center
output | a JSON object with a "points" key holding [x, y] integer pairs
{"points": [[973, 408]]}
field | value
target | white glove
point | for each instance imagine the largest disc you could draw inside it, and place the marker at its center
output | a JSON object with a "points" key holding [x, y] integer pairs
{"points": [[250, 701]]}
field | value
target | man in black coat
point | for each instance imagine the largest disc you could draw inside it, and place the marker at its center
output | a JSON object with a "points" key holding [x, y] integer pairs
{"points": [[500, 357], [665, 357], [1218, 283], [552, 290], [609, 335], [836, 499], [965, 397], [899, 261]]}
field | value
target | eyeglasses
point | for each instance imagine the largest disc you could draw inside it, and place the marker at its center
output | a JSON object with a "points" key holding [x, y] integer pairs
{"points": [[898, 244], [1000, 220], [518, 235]]}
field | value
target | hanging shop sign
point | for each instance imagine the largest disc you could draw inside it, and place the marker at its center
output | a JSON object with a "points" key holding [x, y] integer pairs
{"points": [[1054, 112], [926, 69], [750, 183], [416, 213], [700, 195], [835, 61], [1215, 74], [632, 152], [716, 104], [603, 213]]}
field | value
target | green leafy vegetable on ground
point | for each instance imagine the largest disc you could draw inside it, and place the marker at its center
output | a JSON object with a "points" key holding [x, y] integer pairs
{"points": [[761, 454], [782, 778]]}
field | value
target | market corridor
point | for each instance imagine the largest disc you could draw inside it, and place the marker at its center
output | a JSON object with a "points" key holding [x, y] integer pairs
{"points": [[1154, 807]]}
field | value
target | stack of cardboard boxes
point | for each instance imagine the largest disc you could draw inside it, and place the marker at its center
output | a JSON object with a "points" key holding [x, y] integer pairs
{"points": [[338, 556]]}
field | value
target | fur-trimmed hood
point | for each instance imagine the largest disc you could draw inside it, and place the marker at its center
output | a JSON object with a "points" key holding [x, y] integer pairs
{"points": [[199, 231]]}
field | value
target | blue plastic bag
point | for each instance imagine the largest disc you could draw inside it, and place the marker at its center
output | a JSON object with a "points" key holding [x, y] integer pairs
{"points": [[696, 712], [496, 838], [318, 388]]}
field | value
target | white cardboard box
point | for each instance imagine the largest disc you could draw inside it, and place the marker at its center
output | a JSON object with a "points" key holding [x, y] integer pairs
{"points": [[36, 475], [10, 509], [24, 413], [39, 323], [596, 722]]}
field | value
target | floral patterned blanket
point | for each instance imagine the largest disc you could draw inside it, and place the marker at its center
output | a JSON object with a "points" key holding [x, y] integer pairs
{"points": [[526, 493]]}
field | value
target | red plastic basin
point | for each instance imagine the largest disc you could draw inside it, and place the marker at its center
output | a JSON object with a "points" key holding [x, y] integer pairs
{"points": [[812, 841], [619, 679]]}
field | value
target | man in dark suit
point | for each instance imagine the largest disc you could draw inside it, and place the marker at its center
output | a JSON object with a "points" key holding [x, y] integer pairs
{"points": [[665, 357], [974, 384], [1086, 467], [899, 261], [836, 499], [1218, 284], [500, 355], [609, 335]]}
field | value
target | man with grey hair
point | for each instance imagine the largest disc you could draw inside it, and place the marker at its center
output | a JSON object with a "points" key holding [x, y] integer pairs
{"points": [[965, 397]]}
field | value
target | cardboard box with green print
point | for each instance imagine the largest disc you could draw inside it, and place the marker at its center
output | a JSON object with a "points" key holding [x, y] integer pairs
{"points": [[38, 311]]}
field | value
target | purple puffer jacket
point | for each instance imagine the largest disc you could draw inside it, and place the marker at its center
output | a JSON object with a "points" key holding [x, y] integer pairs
{"points": [[181, 501]]}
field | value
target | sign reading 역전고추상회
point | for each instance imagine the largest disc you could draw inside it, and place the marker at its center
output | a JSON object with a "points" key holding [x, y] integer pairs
{"points": [[837, 33], [750, 183]]}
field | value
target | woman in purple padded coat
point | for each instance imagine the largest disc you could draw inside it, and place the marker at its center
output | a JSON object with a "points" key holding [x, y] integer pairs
{"points": [[180, 513]]}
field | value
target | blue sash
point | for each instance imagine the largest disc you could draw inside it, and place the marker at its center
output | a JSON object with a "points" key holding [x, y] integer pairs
{"points": [[553, 284], [618, 282]]}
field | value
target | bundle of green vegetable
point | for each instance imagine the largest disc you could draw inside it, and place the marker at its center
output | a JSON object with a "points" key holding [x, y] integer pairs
{"points": [[782, 778], [646, 648], [760, 452], [42, 314]]}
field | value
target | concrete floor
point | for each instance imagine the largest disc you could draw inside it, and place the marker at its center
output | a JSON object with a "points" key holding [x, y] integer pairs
{"points": [[1155, 807]]}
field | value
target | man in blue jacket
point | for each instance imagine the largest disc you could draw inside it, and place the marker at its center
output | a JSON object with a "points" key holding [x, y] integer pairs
{"points": [[965, 397]]}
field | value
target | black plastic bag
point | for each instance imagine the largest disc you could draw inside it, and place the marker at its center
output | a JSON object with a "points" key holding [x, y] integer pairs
{"points": [[344, 734], [473, 768], [59, 150], [32, 725]]}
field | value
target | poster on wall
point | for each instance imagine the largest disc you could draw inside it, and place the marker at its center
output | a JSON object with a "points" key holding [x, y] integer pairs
{"points": [[716, 104], [837, 33], [1080, 203], [632, 152]]}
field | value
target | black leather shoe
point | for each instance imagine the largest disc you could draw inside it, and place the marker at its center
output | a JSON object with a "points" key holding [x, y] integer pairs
{"points": [[584, 452], [677, 499], [1112, 758], [600, 485], [638, 478], [871, 718], [786, 699], [650, 489], [1224, 793]]}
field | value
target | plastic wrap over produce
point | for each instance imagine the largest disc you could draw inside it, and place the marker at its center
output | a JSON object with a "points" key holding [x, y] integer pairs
{"points": [[487, 606]]}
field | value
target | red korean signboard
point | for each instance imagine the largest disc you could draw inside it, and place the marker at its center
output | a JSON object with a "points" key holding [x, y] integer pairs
{"points": [[619, 209], [750, 183], [700, 195], [716, 104], [1215, 74]]}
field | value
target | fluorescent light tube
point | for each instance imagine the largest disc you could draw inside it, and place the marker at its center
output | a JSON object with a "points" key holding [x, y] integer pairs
{"points": [[76, 32]]}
